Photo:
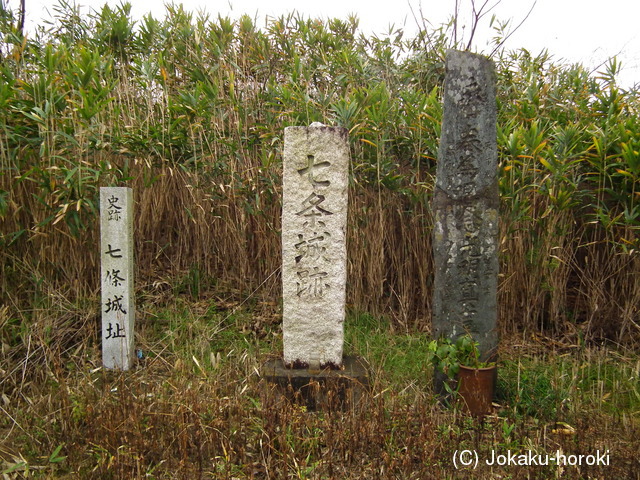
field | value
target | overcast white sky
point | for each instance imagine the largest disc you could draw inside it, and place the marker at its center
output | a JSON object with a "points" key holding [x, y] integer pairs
{"points": [[586, 31]]}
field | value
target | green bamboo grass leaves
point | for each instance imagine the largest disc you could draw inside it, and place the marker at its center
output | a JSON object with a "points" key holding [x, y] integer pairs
{"points": [[192, 108]]}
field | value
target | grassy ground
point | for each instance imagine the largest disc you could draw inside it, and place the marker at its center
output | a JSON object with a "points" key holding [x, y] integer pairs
{"points": [[196, 406], [189, 112]]}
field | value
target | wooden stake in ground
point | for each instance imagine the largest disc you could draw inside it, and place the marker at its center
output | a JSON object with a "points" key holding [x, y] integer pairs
{"points": [[465, 204], [314, 255], [116, 254]]}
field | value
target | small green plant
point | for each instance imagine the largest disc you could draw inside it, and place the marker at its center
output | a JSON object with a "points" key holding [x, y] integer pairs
{"points": [[508, 435], [447, 355]]}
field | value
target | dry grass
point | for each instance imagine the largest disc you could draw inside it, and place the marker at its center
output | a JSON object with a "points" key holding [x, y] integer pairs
{"points": [[196, 407], [195, 127]]}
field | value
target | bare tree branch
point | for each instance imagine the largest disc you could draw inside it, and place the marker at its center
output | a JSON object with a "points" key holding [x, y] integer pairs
{"points": [[22, 15], [456, 14], [422, 23], [477, 16], [515, 29]]}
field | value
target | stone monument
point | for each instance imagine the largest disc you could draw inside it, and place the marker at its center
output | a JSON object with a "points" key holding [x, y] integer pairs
{"points": [[314, 262], [116, 252], [465, 204], [314, 253]]}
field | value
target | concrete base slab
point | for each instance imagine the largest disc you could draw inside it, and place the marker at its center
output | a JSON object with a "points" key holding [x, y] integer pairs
{"points": [[320, 389]]}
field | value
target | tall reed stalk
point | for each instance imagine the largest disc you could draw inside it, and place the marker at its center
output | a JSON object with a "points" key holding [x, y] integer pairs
{"points": [[190, 112]]}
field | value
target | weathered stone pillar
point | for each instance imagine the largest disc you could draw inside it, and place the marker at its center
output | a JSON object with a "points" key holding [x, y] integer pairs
{"points": [[116, 252], [465, 204], [314, 254], [315, 182]]}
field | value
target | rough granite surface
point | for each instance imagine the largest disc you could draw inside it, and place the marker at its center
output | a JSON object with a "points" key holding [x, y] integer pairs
{"points": [[314, 263]]}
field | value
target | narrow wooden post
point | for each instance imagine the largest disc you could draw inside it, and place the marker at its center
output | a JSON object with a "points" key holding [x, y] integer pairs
{"points": [[116, 252]]}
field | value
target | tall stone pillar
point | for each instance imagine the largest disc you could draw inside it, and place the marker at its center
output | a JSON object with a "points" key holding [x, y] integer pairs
{"points": [[465, 204], [314, 254], [315, 184]]}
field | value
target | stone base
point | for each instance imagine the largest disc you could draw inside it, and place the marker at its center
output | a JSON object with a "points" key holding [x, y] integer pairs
{"points": [[320, 389]]}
